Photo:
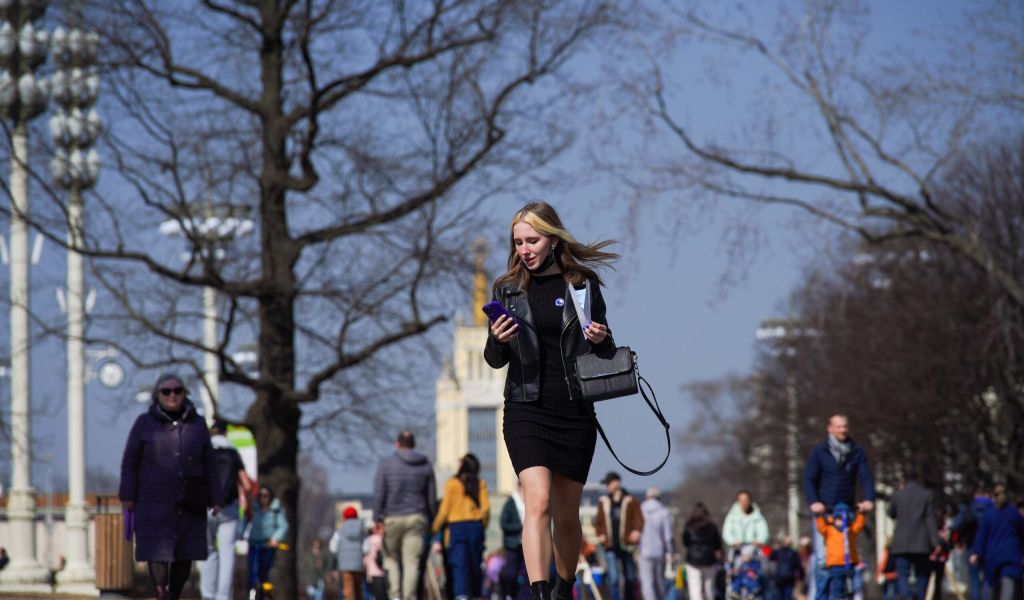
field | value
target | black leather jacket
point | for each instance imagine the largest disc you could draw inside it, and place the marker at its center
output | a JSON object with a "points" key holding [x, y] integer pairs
{"points": [[522, 354]]}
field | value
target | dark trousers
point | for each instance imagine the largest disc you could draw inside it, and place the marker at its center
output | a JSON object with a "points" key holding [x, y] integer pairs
{"points": [[378, 588], [785, 591], [939, 570], [514, 580], [1003, 587], [465, 555], [173, 575], [922, 569], [976, 584], [261, 558], [836, 587], [889, 590]]}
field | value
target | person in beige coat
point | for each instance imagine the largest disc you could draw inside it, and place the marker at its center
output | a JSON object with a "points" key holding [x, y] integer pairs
{"points": [[618, 524]]}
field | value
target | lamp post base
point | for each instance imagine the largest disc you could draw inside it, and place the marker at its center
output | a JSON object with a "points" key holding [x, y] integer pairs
{"points": [[25, 573], [77, 582], [25, 578], [78, 588]]}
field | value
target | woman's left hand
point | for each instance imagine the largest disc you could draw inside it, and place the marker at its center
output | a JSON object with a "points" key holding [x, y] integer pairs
{"points": [[596, 332]]}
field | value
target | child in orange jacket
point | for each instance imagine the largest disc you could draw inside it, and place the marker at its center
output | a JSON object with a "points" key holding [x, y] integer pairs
{"points": [[840, 531]]}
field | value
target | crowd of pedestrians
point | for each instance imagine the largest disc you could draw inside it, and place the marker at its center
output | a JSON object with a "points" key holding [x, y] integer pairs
{"points": [[188, 497]]}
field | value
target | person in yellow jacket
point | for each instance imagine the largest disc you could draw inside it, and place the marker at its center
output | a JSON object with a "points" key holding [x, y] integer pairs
{"points": [[465, 510]]}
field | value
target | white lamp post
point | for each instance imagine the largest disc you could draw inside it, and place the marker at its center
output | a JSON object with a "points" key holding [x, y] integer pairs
{"points": [[214, 224], [75, 126], [22, 97], [783, 332]]}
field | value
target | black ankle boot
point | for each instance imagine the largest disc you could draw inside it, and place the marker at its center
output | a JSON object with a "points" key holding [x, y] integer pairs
{"points": [[563, 588], [540, 590]]}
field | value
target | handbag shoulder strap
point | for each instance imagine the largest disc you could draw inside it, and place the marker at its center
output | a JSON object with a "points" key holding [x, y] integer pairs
{"points": [[656, 409]]}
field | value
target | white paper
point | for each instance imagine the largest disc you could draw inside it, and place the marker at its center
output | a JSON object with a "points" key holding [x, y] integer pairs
{"points": [[581, 299]]}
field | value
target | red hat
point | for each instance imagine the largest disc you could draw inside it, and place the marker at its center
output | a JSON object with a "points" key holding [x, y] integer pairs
{"points": [[349, 513]]}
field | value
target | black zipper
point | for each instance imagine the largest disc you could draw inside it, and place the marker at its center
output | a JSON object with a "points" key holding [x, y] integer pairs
{"points": [[522, 369]]}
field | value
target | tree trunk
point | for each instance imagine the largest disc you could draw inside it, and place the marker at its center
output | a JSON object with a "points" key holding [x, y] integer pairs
{"points": [[275, 426], [275, 415]]}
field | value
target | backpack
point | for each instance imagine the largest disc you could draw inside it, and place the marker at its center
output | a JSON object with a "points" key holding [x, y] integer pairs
{"points": [[228, 461]]}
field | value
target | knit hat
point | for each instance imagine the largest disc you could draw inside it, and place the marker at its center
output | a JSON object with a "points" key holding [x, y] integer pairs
{"points": [[163, 379], [350, 512]]}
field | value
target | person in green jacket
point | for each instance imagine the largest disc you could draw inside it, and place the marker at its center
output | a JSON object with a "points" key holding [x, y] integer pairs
{"points": [[268, 527], [744, 524]]}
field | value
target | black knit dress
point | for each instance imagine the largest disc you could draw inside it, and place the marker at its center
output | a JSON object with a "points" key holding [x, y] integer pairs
{"points": [[555, 431]]}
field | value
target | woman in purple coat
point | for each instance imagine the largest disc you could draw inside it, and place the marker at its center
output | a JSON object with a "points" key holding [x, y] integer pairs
{"points": [[168, 479]]}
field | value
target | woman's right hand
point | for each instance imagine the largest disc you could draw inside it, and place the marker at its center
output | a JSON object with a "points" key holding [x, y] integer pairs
{"points": [[504, 329]]}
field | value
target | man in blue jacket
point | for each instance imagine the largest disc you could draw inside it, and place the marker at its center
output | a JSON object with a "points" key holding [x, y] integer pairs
{"points": [[997, 546], [831, 477], [965, 528]]}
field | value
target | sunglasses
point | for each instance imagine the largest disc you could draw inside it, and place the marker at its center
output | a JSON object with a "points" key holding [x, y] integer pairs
{"points": [[174, 390]]}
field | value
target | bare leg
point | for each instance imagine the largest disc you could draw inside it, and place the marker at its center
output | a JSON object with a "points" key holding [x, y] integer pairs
{"points": [[536, 482], [568, 534]]}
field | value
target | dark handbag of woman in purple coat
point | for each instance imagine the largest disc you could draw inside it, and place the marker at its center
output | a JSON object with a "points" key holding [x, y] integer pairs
{"points": [[168, 479]]}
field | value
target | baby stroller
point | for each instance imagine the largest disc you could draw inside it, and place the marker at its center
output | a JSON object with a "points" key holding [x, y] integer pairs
{"points": [[747, 581]]}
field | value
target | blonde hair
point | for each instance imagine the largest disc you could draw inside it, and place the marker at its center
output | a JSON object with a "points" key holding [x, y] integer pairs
{"points": [[578, 261]]}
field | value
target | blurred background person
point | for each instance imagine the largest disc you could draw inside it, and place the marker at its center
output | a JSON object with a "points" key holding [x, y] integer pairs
{"points": [[997, 546], [513, 576], [347, 546], [788, 570], [268, 527], [217, 571], [373, 562], [703, 545], [656, 547], [964, 530], [168, 480], [464, 512], [315, 568], [916, 534], [618, 525]]}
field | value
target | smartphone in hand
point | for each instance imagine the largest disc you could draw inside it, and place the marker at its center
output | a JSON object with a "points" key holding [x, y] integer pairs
{"points": [[495, 309]]}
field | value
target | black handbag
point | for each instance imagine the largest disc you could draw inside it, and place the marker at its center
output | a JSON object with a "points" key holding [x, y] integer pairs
{"points": [[603, 376], [615, 374]]}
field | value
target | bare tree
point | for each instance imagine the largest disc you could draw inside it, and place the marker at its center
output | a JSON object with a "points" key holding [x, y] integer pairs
{"points": [[920, 348], [857, 140], [359, 138]]}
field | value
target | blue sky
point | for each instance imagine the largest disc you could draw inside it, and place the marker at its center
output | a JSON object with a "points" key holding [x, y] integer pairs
{"points": [[666, 299]]}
